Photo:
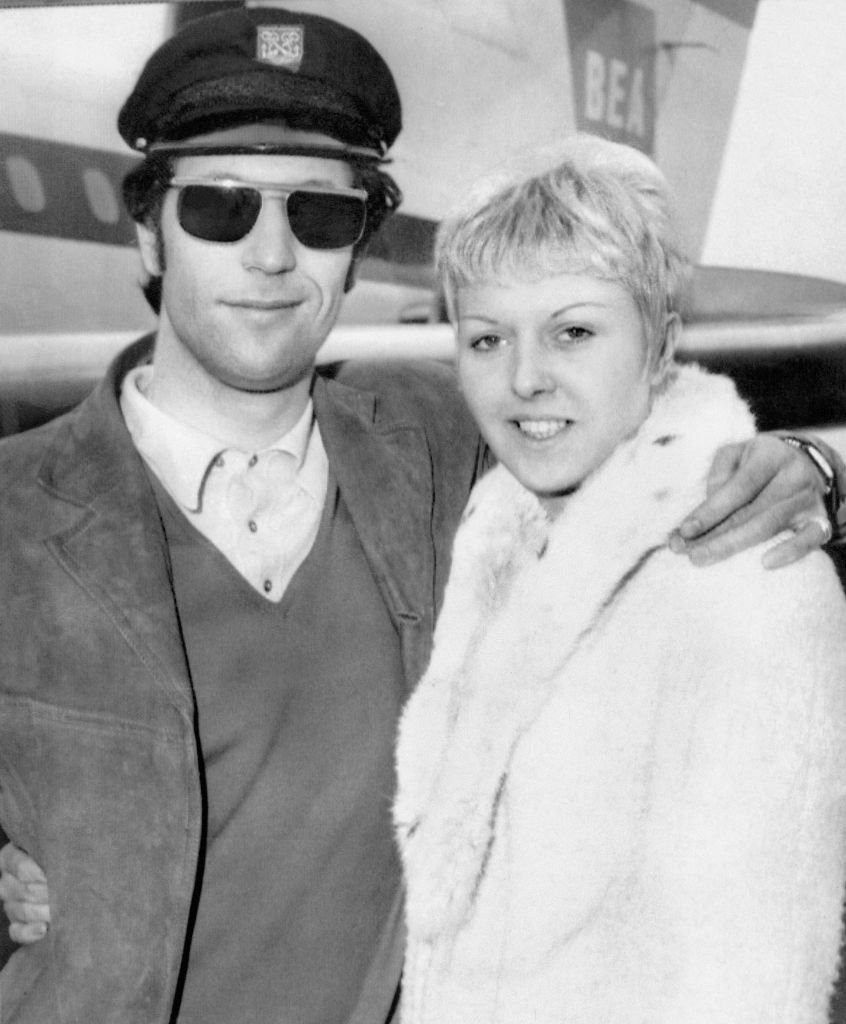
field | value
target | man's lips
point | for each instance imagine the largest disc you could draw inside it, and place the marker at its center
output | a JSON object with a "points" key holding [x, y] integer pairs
{"points": [[263, 305]]}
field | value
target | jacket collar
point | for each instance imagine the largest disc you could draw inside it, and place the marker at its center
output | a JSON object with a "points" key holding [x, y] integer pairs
{"points": [[96, 455], [114, 543]]}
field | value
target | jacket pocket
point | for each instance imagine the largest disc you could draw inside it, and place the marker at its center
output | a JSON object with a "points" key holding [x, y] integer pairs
{"points": [[24, 995], [109, 809]]}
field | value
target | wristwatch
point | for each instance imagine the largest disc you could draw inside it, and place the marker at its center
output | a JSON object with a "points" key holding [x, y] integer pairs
{"points": [[831, 491]]}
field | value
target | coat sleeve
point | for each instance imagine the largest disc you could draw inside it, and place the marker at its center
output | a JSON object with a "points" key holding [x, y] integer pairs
{"points": [[754, 871]]}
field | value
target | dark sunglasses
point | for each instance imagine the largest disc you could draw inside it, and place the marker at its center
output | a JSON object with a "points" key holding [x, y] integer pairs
{"points": [[227, 211]]}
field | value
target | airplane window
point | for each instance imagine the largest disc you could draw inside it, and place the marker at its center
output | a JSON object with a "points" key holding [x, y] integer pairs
{"points": [[25, 183], [101, 196]]}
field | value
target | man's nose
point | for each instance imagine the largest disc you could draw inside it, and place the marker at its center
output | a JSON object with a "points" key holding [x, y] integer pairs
{"points": [[269, 247], [530, 370]]}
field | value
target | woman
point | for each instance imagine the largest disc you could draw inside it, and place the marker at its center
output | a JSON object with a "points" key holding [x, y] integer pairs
{"points": [[620, 801]]}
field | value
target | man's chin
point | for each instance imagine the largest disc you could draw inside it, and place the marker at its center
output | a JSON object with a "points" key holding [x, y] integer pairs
{"points": [[272, 385]]}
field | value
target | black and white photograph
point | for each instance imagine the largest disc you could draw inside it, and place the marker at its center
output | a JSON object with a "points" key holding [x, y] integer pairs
{"points": [[431, 611]]}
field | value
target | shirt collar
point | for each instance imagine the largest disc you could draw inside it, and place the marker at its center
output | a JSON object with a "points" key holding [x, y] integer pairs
{"points": [[180, 454]]}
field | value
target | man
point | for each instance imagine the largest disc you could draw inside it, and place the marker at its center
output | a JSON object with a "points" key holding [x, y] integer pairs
{"points": [[221, 572]]}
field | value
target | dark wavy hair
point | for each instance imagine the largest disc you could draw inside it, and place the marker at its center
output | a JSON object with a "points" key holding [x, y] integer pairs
{"points": [[146, 185]]}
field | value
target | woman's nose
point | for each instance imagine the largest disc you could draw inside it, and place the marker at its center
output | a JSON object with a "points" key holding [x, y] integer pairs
{"points": [[530, 372], [269, 247]]}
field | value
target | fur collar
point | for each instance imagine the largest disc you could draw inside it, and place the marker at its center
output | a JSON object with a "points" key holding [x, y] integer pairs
{"points": [[523, 594]]}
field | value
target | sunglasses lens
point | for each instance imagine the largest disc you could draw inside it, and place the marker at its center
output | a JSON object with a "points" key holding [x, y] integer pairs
{"points": [[226, 213], [322, 220], [216, 213]]}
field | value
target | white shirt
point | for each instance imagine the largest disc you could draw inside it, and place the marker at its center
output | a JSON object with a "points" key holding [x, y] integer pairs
{"points": [[261, 509]]}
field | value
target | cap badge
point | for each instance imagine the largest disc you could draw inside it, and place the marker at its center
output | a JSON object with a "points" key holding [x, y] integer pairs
{"points": [[281, 45]]}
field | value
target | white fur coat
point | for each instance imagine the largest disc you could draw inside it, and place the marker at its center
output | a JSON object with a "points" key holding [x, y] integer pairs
{"points": [[621, 780]]}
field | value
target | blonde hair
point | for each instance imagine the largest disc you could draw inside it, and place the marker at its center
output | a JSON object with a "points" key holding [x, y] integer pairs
{"points": [[585, 205]]}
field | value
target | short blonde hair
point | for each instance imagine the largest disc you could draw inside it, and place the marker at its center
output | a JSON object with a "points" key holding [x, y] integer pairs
{"points": [[586, 205]]}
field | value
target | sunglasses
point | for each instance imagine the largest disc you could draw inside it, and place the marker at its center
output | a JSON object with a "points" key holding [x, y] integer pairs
{"points": [[227, 211]]}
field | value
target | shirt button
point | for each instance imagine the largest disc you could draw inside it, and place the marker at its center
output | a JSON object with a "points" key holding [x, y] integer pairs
{"points": [[252, 525], [253, 460], [268, 586]]}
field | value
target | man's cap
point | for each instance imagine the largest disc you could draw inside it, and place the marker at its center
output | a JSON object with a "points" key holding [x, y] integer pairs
{"points": [[258, 64]]}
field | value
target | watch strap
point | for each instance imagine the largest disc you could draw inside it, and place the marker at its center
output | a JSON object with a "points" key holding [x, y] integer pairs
{"points": [[825, 469]]}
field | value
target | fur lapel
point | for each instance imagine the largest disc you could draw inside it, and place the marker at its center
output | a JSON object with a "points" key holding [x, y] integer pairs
{"points": [[523, 595]]}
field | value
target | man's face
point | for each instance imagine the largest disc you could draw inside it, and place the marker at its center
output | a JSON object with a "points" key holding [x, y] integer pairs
{"points": [[250, 314]]}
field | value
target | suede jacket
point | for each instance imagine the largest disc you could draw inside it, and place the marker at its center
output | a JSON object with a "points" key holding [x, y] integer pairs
{"points": [[99, 774]]}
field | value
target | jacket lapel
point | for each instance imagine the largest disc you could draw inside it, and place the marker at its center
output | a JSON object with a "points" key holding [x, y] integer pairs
{"points": [[108, 533], [383, 469]]}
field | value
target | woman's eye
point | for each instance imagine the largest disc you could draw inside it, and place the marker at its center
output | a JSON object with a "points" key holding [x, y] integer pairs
{"points": [[574, 334], [486, 342]]}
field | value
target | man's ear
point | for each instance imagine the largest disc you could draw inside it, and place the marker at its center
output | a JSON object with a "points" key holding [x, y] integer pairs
{"points": [[148, 244]]}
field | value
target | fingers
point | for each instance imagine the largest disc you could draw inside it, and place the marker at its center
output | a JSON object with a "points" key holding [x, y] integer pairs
{"points": [[757, 524], [13, 889], [729, 492], [733, 482], [803, 514], [27, 911], [15, 861], [28, 922], [800, 543], [756, 491], [26, 934], [25, 897]]}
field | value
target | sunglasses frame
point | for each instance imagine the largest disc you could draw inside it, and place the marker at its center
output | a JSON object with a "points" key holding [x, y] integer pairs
{"points": [[272, 191]]}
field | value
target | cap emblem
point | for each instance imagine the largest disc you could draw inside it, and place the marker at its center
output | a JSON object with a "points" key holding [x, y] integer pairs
{"points": [[281, 45]]}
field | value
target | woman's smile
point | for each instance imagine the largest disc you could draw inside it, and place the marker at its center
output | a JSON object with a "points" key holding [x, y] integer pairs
{"points": [[542, 430]]}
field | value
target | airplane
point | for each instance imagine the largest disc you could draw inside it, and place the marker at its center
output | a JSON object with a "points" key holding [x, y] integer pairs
{"points": [[708, 87]]}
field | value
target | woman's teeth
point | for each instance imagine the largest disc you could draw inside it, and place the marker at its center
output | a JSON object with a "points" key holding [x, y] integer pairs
{"points": [[541, 430]]}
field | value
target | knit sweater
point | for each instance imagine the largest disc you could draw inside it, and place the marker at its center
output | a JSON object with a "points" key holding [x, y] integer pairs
{"points": [[622, 778]]}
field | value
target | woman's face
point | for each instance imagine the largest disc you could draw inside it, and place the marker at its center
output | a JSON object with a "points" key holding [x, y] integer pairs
{"points": [[556, 373]]}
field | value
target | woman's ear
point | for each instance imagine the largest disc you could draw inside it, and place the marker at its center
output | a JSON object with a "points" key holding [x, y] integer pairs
{"points": [[148, 244], [667, 350]]}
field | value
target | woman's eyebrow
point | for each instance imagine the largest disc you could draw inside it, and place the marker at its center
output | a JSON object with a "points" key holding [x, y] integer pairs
{"points": [[578, 305]]}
